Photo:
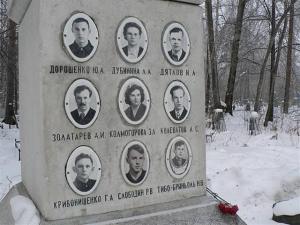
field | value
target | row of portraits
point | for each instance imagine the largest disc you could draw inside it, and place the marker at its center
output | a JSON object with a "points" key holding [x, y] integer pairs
{"points": [[83, 168], [83, 102], [81, 39]]}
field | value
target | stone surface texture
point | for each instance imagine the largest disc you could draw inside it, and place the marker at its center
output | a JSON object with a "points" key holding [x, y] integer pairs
{"points": [[193, 211], [42, 104]]}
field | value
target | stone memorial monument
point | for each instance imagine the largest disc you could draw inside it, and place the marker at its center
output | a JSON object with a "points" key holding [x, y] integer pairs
{"points": [[112, 105]]}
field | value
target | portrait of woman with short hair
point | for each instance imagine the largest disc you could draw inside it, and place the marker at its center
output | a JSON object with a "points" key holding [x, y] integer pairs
{"points": [[132, 40], [134, 97], [134, 101]]}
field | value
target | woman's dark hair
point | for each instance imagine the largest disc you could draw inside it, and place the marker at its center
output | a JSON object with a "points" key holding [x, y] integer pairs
{"points": [[132, 88], [131, 24]]}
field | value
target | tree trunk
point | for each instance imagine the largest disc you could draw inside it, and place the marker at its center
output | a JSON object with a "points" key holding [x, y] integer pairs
{"points": [[274, 69], [12, 52], [212, 54], [263, 67], [207, 90], [234, 55], [289, 62]]}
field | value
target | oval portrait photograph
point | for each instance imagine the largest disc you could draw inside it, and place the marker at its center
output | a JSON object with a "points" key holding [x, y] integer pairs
{"points": [[134, 101], [175, 43], [178, 157], [80, 37], [83, 170], [135, 163], [177, 101], [82, 103], [132, 40]]}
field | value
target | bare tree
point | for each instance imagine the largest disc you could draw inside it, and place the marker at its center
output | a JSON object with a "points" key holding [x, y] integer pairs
{"points": [[263, 67], [11, 74], [212, 55], [289, 61], [274, 64], [234, 55]]}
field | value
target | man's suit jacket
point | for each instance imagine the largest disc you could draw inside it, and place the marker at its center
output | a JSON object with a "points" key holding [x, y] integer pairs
{"points": [[141, 177], [175, 59], [88, 117], [125, 50], [183, 114], [84, 187], [81, 52]]}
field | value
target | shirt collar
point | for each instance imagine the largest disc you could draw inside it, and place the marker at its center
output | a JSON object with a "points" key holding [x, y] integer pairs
{"points": [[133, 52], [178, 53], [84, 112]]}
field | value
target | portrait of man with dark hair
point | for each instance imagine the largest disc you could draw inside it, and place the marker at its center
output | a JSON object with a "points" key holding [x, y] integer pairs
{"points": [[84, 114], [176, 41], [177, 95], [132, 34], [180, 152], [83, 168], [135, 158], [81, 47], [134, 97]]}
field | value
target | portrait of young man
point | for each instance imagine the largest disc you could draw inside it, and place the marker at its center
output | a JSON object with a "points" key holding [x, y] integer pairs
{"points": [[84, 114], [135, 159], [81, 47], [83, 168], [176, 36], [132, 34], [180, 151], [177, 95]]}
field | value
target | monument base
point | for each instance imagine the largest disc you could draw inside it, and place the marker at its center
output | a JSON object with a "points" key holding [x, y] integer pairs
{"points": [[197, 210]]}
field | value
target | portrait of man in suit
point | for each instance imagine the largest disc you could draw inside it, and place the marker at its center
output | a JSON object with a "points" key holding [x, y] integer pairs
{"points": [[83, 168], [180, 151], [132, 34], [178, 157], [135, 158], [84, 114], [176, 41], [177, 95], [81, 47]]}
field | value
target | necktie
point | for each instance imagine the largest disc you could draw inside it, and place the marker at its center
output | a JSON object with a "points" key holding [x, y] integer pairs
{"points": [[177, 115], [81, 116], [175, 57]]}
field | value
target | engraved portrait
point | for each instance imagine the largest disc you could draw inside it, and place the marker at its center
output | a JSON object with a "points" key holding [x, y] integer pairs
{"points": [[135, 163], [132, 40], [175, 43], [178, 157], [134, 101], [82, 103], [177, 101], [80, 37], [83, 170]]}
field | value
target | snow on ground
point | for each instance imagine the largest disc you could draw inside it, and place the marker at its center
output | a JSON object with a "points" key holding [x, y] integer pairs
{"points": [[288, 207], [10, 167], [253, 172]]}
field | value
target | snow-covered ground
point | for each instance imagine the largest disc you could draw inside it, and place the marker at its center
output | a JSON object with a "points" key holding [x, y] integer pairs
{"points": [[253, 172]]}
